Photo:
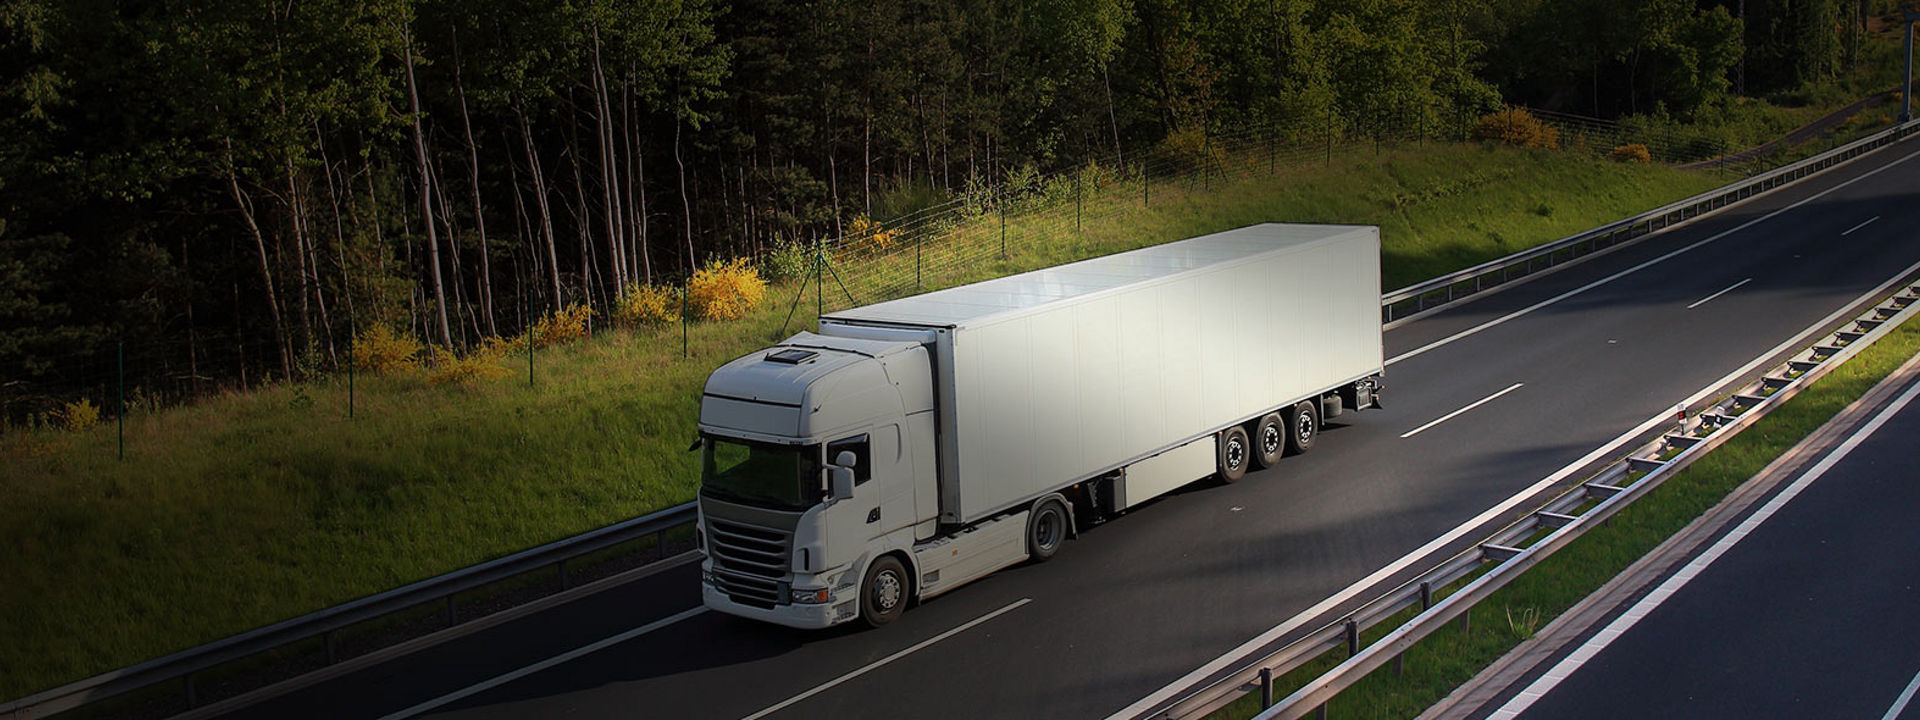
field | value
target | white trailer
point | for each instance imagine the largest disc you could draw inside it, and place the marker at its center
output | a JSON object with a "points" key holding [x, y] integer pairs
{"points": [[913, 445]]}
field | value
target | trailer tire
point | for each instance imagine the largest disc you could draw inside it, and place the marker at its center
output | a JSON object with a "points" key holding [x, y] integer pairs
{"points": [[1046, 530], [1303, 427], [1234, 452], [884, 592], [1269, 440]]}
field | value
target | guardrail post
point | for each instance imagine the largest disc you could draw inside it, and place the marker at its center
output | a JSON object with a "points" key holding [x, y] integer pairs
{"points": [[1426, 595], [1466, 622], [660, 545], [1353, 638], [451, 614], [332, 653], [193, 698], [562, 567], [1266, 688]]}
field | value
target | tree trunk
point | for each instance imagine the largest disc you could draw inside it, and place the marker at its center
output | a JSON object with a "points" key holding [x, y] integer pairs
{"points": [[443, 333], [245, 205], [479, 215], [686, 203], [609, 172], [540, 202]]}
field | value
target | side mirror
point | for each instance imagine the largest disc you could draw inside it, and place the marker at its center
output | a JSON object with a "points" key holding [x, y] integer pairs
{"points": [[840, 479], [697, 442], [846, 459]]}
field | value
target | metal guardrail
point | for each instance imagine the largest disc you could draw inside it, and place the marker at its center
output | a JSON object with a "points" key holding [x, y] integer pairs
{"points": [[1508, 551], [325, 623], [1414, 299]]}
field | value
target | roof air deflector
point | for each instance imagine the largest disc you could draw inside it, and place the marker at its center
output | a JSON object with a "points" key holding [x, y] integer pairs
{"points": [[791, 356]]}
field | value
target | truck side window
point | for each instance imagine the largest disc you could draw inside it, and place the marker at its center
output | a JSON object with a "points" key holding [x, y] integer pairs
{"points": [[863, 460]]}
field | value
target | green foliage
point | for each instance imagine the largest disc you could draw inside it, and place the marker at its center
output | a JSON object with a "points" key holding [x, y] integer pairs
{"points": [[787, 260]]}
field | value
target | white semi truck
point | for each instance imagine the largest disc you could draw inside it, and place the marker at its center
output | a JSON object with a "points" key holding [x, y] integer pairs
{"points": [[913, 445]]}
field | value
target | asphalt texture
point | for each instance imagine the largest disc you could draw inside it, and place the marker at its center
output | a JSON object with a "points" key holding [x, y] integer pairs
{"points": [[1812, 614], [1136, 603]]}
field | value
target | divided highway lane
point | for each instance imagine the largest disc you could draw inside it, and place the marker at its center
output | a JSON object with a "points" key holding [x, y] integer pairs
{"points": [[1135, 604], [1810, 613]]}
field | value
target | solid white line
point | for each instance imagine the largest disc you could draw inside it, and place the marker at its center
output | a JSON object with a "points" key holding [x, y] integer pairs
{"points": [[542, 665], [1218, 664], [1861, 225], [1710, 298], [890, 658], [1673, 584], [1905, 697], [1642, 266], [1452, 415]]}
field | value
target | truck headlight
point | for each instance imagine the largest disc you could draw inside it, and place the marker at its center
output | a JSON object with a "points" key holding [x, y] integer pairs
{"points": [[811, 596]]}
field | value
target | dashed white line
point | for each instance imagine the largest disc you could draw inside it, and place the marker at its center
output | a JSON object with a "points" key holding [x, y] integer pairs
{"points": [[1673, 584], [567, 656], [1861, 225], [1905, 697], [1709, 298], [890, 658], [1221, 663], [1642, 266], [1456, 413]]}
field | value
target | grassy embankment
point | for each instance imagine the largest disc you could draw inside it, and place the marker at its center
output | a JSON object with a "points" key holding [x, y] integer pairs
{"points": [[251, 508], [1451, 657]]}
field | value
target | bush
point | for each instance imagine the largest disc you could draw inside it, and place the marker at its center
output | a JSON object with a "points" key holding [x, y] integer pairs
{"points": [[563, 326], [1515, 126], [380, 349], [1189, 150], [867, 236], [467, 370], [1633, 152], [647, 305], [787, 260], [79, 415], [724, 291]]}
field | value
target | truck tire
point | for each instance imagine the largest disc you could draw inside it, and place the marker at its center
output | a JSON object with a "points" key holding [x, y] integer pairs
{"points": [[1303, 427], [1235, 451], [1046, 530], [1269, 440], [883, 594]]}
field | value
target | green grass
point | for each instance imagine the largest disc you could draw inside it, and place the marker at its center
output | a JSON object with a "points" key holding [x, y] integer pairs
{"points": [[1450, 657], [247, 509]]}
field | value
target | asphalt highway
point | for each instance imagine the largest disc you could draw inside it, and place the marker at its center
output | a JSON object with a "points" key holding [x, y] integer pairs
{"points": [[1810, 613], [1129, 607]]}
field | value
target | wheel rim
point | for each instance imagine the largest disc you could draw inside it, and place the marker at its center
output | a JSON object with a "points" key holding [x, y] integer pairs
{"points": [[886, 590], [1236, 453], [1271, 438], [1306, 427], [1046, 531]]}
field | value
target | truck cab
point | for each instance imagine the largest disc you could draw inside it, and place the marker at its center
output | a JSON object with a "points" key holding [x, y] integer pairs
{"points": [[816, 438]]}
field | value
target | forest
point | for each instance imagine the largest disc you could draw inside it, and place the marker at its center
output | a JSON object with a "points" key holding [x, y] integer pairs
{"points": [[200, 179]]}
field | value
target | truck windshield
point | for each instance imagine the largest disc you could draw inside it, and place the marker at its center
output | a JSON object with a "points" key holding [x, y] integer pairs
{"points": [[762, 474]]}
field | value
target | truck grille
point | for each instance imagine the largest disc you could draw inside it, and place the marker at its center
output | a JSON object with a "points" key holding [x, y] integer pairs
{"points": [[749, 562]]}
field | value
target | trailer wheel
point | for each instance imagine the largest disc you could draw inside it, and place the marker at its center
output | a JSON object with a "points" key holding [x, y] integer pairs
{"points": [[1270, 440], [1304, 428], [883, 595], [1234, 453], [1046, 530]]}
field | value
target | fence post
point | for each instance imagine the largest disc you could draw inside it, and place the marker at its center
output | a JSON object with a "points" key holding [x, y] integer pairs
{"points": [[121, 416], [529, 334], [1003, 226], [351, 334], [1078, 179]]}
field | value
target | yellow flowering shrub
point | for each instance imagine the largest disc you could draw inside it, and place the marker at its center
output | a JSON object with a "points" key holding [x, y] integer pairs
{"points": [[380, 349], [647, 305], [725, 290], [1634, 152], [79, 415], [1515, 126]]}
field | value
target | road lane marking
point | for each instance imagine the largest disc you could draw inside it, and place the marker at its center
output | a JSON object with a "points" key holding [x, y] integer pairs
{"points": [[1646, 606], [890, 658], [1905, 697], [1710, 298], [567, 656], [1451, 415], [1642, 266], [1221, 663], [1861, 225]]}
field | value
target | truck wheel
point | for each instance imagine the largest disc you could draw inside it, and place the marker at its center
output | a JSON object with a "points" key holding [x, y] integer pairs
{"points": [[883, 595], [1304, 428], [1235, 451], [1046, 530], [1270, 440]]}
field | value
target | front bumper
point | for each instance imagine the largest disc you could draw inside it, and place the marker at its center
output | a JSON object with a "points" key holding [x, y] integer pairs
{"points": [[807, 616]]}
